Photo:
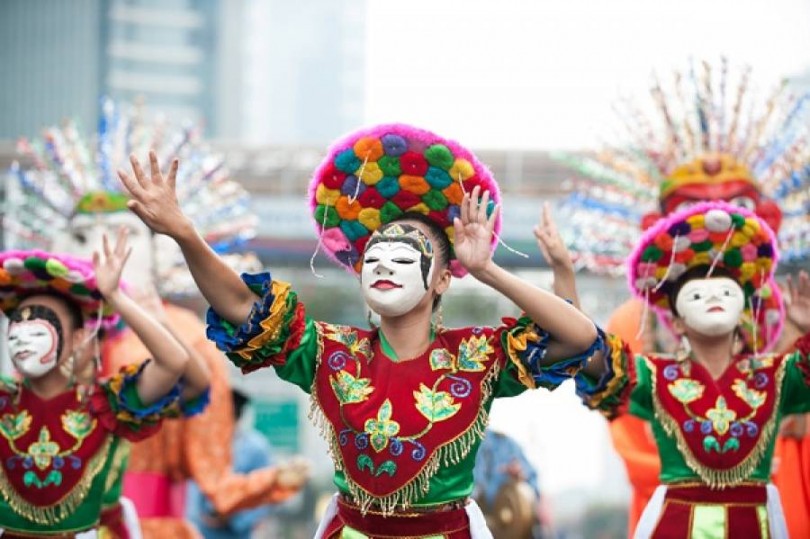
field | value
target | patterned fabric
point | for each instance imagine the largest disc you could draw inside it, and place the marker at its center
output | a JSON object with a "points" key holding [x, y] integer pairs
{"points": [[719, 432], [61, 456], [413, 442]]}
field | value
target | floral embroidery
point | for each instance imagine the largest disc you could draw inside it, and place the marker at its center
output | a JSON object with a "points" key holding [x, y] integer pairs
{"points": [[346, 336], [78, 424], [435, 405], [350, 390], [441, 359], [686, 390], [473, 352], [752, 397], [381, 429], [720, 416], [44, 449], [12, 426]]}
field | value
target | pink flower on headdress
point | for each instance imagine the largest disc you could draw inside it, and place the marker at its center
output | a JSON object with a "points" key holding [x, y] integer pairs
{"points": [[699, 235], [335, 241], [646, 269], [749, 252]]}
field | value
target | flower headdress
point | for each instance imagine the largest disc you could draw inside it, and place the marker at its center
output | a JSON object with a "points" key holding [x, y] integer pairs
{"points": [[374, 175], [66, 173]]}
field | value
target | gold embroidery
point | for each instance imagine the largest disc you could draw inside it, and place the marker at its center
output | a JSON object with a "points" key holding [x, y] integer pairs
{"points": [[686, 390], [720, 416]]}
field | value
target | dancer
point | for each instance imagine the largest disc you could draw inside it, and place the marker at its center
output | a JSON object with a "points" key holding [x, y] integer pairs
{"points": [[710, 136], [65, 202], [60, 435], [403, 406], [714, 411]]}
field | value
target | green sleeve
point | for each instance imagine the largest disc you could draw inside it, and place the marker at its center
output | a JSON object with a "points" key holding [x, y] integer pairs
{"points": [[641, 396], [299, 365], [796, 381]]}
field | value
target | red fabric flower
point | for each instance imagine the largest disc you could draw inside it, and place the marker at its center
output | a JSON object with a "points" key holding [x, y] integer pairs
{"points": [[440, 218], [413, 164], [405, 200], [332, 177], [371, 198], [360, 243], [100, 406]]}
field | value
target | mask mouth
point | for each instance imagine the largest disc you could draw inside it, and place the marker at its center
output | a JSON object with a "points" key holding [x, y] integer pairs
{"points": [[384, 284], [22, 355], [715, 309]]}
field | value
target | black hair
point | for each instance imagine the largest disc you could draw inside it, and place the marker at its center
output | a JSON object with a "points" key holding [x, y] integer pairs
{"points": [[443, 248], [240, 400], [697, 272]]}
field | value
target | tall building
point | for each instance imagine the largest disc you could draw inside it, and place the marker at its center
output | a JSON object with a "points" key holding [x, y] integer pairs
{"points": [[294, 71], [60, 57]]}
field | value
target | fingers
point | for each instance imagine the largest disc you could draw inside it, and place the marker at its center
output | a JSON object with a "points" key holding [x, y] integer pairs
{"points": [[482, 208], [465, 208], [544, 215], [157, 177], [105, 244], [139, 174], [493, 217], [96, 260], [132, 186], [126, 256], [172, 177], [458, 231], [791, 289], [121, 241], [804, 284]]}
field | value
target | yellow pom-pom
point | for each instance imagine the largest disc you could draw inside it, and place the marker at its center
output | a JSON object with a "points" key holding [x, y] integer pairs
{"points": [[697, 221], [738, 239], [369, 174], [747, 270], [421, 208], [461, 169], [327, 197], [369, 218], [700, 259]]}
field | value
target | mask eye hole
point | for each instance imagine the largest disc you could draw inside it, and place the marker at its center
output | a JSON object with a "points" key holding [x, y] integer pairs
{"points": [[696, 295], [371, 260]]}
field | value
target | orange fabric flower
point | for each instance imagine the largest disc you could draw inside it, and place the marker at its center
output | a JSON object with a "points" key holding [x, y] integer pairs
{"points": [[348, 210], [368, 148], [414, 184], [453, 193]]}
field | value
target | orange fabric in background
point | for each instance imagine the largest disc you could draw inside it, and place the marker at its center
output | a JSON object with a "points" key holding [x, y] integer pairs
{"points": [[198, 448], [635, 445]]}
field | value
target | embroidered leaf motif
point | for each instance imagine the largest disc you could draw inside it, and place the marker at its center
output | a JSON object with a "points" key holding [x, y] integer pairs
{"points": [[473, 352], [364, 461], [43, 450], [78, 424], [732, 444], [12, 426], [710, 443], [388, 467], [30, 478], [382, 428], [441, 359], [721, 417], [752, 397], [346, 336], [350, 390], [686, 390], [435, 405]]}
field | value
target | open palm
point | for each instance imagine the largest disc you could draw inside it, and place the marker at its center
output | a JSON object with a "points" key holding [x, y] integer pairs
{"points": [[473, 231], [154, 198], [110, 264]]}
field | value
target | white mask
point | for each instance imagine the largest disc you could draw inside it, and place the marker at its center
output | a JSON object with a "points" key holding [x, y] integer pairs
{"points": [[712, 307], [32, 346], [392, 278], [85, 236]]}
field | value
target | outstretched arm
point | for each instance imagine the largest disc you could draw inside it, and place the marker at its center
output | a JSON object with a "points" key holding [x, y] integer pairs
{"points": [[559, 260], [571, 331], [170, 359], [154, 200]]}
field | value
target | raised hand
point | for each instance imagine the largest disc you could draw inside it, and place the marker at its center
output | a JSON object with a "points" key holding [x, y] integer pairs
{"points": [[110, 263], [550, 242], [154, 198], [798, 301], [473, 231], [293, 473]]}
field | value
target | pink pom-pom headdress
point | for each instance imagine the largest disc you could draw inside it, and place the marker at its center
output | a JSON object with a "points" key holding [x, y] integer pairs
{"points": [[372, 176], [27, 273]]}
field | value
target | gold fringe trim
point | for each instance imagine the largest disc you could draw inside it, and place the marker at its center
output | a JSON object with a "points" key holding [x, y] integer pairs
{"points": [[449, 454], [713, 477], [56, 512]]}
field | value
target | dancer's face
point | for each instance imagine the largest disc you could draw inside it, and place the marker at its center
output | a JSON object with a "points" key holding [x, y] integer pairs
{"points": [[398, 267], [32, 345], [711, 307]]}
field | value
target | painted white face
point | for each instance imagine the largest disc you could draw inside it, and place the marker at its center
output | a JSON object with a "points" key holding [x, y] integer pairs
{"points": [[712, 306], [392, 278], [32, 346], [85, 236]]}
